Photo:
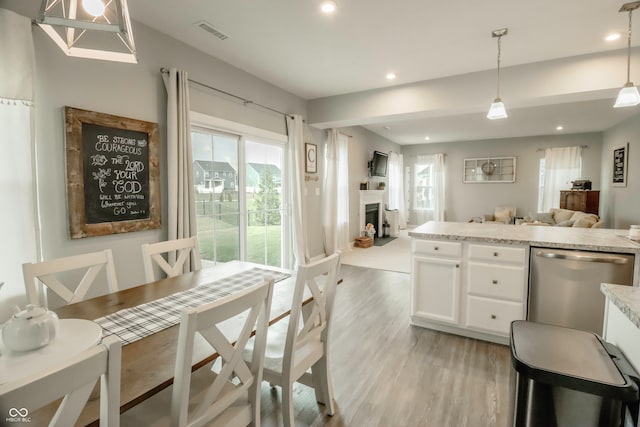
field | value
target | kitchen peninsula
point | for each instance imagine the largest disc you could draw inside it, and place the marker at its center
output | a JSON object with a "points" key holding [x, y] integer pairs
{"points": [[472, 279]]}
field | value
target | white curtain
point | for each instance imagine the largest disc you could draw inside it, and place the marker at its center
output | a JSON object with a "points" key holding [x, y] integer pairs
{"points": [[438, 187], [18, 216], [296, 155], [396, 187], [336, 193], [181, 221], [561, 166]]}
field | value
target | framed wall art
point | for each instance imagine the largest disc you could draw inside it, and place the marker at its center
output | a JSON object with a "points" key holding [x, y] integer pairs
{"points": [[620, 164], [311, 165], [113, 181]]}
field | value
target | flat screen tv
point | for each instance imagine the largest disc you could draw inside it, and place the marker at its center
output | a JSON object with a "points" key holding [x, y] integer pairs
{"points": [[378, 164]]}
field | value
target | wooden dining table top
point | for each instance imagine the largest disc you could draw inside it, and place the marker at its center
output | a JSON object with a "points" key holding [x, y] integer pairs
{"points": [[148, 364]]}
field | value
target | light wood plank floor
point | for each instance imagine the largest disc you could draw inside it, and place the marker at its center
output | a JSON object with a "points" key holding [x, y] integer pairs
{"points": [[388, 373]]}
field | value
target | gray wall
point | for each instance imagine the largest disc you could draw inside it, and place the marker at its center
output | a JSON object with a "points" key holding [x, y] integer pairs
{"points": [[135, 91], [464, 201], [621, 204], [362, 143]]}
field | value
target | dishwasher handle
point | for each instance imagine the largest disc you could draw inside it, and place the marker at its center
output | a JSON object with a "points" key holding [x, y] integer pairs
{"points": [[609, 259]]}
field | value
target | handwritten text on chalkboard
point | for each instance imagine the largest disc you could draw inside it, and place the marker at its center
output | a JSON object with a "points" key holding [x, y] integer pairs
{"points": [[116, 177]]}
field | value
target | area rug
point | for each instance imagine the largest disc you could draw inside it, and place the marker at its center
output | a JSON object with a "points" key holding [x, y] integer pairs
{"points": [[381, 241], [394, 256]]}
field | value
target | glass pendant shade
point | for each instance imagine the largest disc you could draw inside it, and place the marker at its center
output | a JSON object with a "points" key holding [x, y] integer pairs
{"points": [[89, 28], [628, 96], [497, 110]]}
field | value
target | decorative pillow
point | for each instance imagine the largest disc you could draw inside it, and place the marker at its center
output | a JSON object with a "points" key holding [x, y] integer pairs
{"points": [[545, 217], [584, 220], [560, 215], [502, 214], [567, 223]]}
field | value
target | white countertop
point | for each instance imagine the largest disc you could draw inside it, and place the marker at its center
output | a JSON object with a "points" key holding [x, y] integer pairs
{"points": [[593, 239]]}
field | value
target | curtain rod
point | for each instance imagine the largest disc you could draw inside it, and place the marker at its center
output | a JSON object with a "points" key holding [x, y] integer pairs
{"points": [[244, 100], [543, 149]]}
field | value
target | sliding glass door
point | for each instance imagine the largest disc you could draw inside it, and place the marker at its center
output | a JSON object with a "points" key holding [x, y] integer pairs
{"points": [[240, 198], [215, 177]]}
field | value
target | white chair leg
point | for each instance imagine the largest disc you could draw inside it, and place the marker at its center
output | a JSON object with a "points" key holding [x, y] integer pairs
{"points": [[323, 384], [287, 405]]}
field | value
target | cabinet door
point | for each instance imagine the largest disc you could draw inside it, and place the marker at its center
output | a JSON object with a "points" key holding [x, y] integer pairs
{"points": [[436, 289]]}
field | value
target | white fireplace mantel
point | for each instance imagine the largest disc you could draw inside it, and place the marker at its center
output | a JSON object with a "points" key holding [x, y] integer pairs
{"points": [[369, 197]]}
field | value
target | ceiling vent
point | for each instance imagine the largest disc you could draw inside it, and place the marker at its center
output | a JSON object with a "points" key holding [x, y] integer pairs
{"points": [[211, 29]]}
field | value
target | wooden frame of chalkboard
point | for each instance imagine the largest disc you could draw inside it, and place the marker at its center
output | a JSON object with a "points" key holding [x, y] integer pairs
{"points": [[620, 165], [113, 175]]}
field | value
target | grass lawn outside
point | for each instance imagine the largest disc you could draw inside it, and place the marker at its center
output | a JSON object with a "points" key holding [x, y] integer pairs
{"points": [[224, 233]]}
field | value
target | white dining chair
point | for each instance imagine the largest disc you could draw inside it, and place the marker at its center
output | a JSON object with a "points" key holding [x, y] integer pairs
{"points": [[158, 253], [73, 380], [300, 341], [230, 397], [48, 272]]}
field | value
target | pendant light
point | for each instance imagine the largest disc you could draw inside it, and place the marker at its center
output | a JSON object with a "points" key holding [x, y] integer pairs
{"points": [[96, 29], [497, 110], [628, 95]]}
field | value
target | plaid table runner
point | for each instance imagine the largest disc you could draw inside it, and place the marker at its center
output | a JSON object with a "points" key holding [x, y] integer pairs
{"points": [[132, 324]]}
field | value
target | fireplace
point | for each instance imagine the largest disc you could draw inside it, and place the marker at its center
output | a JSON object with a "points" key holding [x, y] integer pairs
{"points": [[371, 213], [371, 200]]}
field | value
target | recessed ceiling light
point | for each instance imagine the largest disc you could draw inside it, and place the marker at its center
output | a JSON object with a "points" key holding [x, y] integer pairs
{"points": [[612, 37], [426, 138], [328, 6], [559, 127], [391, 76]]}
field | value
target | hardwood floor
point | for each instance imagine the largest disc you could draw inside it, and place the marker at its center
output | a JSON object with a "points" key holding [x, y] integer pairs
{"points": [[388, 373]]}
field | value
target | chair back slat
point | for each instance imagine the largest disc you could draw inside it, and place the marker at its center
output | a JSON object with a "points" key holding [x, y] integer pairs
{"points": [[47, 273], [236, 379], [310, 324], [172, 257]]}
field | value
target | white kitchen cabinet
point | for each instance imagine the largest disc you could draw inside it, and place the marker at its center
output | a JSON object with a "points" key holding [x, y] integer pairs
{"points": [[467, 288], [436, 280], [436, 289], [496, 287]]}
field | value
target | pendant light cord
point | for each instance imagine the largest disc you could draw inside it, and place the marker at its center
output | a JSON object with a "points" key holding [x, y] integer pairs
{"points": [[498, 82], [629, 51]]}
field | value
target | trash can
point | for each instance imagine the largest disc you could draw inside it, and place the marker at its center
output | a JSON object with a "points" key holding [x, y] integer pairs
{"points": [[565, 377], [392, 219]]}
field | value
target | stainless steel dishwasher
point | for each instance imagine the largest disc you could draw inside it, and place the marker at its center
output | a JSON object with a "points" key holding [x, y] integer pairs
{"points": [[564, 286]]}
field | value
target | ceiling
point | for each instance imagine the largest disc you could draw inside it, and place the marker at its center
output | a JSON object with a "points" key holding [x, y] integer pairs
{"points": [[290, 44]]}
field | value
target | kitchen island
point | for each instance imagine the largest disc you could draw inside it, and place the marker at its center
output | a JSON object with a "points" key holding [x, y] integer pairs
{"points": [[472, 279], [622, 320]]}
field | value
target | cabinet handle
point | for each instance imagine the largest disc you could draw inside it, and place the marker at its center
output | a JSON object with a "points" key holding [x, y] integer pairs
{"points": [[435, 248], [495, 254], [495, 282], [493, 316], [457, 265]]}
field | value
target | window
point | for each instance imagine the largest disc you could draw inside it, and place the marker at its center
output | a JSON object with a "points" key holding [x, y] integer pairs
{"points": [[240, 212], [423, 186]]}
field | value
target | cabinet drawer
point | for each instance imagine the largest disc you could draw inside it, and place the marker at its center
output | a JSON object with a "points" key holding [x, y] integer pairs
{"points": [[432, 247], [500, 281], [497, 253], [492, 315]]}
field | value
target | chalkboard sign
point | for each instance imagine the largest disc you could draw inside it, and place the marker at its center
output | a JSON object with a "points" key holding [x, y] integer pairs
{"points": [[620, 159], [112, 174]]}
